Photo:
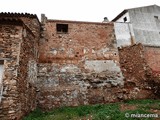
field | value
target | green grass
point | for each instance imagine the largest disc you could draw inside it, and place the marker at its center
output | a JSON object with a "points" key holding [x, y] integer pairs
{"points": [[97, 112]]}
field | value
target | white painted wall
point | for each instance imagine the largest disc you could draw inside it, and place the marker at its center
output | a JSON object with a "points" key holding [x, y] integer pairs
{"points": [[121, 19], [146, 27], [123, 32]]}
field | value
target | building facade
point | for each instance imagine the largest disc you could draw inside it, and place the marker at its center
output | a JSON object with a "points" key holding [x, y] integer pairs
{"points": [[143, 23], [140, 25]]}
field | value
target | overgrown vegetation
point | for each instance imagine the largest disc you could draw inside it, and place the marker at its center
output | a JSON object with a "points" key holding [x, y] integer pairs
{"points": [[114, 111]]}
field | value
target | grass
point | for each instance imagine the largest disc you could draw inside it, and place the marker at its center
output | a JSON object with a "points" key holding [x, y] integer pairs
{"points": [[99, 112]]}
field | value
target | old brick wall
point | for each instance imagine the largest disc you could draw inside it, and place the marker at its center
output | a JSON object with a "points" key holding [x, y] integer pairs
{"points": [[80, 67], [27, 73], [152, 56], [83, 41], [137, 72], [17, 50], [10, 36]]}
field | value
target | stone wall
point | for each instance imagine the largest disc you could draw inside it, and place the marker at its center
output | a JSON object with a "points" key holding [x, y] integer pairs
{"points": [[67, 85], [10, 44], [79, 67], [18, 95], [27, 73]]}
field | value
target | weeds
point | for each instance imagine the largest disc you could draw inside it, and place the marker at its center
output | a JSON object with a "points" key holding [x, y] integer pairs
{"points": [[97, 112]]}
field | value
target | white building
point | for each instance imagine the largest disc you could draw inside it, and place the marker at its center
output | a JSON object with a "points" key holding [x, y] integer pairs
{"points": [[138, 25]]}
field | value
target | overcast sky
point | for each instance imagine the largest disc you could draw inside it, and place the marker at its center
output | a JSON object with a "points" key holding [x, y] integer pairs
{"points": [[79, 10]]}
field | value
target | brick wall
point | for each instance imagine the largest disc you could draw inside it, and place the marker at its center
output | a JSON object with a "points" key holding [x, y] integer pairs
{"points": [[17, 50], [78, 67], [137, 73], [26, 75], [83, 41], [152, 56]]}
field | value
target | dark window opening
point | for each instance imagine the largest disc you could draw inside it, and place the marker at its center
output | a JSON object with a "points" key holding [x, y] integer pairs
{"points": [[156, 17], [62, 28], [125, 19], [1, 62]]}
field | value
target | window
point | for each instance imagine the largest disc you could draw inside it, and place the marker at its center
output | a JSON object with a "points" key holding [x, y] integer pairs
{"points": [[156, 17], [62, 28], [125, 19]]}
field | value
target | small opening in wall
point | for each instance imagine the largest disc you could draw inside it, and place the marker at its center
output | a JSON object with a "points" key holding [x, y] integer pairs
{"points": [[1, 62], [125, 19], [156, 17], [62, 28]]}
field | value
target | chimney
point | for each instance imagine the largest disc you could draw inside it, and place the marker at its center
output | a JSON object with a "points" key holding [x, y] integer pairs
{"points": [[43, 18], [105, 20]]}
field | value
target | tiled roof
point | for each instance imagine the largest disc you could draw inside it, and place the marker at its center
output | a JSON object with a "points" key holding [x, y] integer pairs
{"points": [[8, 14]]}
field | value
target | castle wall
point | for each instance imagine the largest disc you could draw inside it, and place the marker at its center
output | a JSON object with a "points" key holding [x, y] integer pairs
{"points": [[78, 67]]}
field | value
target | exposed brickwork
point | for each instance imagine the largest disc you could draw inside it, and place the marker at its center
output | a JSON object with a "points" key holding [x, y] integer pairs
{"points": [[152, 56], [18, 46], [83, 41], [47, 68], [136, 71], [79, 66]]}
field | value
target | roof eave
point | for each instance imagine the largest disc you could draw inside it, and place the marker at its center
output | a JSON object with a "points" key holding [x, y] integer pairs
{"points": [[120, 15]]}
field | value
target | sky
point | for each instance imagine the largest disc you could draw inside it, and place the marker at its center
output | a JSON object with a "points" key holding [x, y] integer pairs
{"points": [[77, 10]]}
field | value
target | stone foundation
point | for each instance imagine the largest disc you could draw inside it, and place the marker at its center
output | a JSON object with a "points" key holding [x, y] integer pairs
{"points": [[68, 85]]}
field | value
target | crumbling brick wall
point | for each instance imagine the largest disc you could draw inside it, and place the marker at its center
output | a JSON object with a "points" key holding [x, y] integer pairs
{"points": [[83, 41], [152, 56], [78, 67], [27, 92], [137, 72], [17, 49]]}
